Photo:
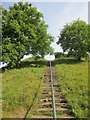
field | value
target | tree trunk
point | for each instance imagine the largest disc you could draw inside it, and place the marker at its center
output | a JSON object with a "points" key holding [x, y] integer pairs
{"points": [[79, 58], [18, 62]]}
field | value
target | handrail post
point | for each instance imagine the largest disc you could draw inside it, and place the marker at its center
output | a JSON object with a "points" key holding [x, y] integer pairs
{"points": [[53, 101]]}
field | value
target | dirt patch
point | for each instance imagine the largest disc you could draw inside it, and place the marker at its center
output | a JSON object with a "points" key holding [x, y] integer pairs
{"points": [[19, 113]]}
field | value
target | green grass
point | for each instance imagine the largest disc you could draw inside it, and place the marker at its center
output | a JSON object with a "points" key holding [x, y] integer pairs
{"points": [[73, 81], [21, 88], [60, 112]]}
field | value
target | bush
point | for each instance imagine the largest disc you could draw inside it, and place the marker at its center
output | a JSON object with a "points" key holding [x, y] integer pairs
{"points": [[60, 54]]}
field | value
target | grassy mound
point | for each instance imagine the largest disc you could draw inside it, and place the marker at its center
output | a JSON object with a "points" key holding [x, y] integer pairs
{"points": [[21, 88], [73, 81]]}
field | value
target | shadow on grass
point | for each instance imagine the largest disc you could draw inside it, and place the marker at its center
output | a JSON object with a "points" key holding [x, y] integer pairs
{"points": [[66, 61], [40, 63], [35, 96], [27, 64]]}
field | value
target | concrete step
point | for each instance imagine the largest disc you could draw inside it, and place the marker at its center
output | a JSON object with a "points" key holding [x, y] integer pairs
{"points": [[51, 109], [55, 85], [57, 90], [42, 117], [46, 105], [60, 100], [46, 96], [46, 85], [46, 88], [46, 100], [46, 74], [59, 95], [49, 99], [49, 104], [64, 116], [44, 92]]}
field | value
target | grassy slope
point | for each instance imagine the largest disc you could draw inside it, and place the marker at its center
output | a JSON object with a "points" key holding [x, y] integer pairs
{"points": [[20, 88], [73, 81]]}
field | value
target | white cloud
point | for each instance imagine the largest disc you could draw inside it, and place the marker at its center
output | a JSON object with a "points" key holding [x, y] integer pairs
{"points": [[67, 15], [26, 56]]}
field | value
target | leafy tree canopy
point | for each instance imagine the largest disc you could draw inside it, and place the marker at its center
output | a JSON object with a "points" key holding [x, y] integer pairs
{"points": [[89, 38], [0, 30], [23, 32], [74, 38]]}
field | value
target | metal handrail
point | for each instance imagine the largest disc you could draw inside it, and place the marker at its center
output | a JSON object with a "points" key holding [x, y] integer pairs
{"points": [[53, 101]]}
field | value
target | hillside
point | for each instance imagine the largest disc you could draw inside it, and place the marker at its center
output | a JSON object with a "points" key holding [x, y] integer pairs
{"points": [[21, 87], [73, 81]]}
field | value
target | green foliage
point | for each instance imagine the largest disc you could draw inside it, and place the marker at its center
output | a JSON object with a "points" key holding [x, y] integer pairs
{"points": [[74, 38], [23, 32], [21, 88], [73, 81], [0, 16], [89, 38], [0, 26], [59, 54]]}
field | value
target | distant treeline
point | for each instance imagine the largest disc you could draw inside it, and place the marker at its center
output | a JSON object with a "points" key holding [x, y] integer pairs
{"points": [[70, 54], [60, 54]]}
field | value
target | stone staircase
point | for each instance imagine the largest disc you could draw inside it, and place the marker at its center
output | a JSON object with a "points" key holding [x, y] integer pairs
{"points": [[45, 109]]}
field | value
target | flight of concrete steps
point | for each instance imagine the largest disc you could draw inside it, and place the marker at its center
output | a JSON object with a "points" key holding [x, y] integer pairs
{"points": [[45, 110]]}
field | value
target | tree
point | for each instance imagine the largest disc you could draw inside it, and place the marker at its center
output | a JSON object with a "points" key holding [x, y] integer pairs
{"points": [[23, 32], [74, 38], [0, 31], [89, 38]]}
